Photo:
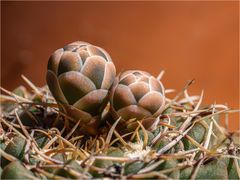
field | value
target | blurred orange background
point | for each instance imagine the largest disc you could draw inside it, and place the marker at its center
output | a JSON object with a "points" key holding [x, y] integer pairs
{"points": [[188, 40]]}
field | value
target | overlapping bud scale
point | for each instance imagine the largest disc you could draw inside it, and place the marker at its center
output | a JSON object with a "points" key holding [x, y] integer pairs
{"points": [[79, 77], [137, 95]]}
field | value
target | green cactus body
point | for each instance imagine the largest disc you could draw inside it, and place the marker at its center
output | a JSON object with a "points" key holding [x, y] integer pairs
{"points": [[112, 152], [215, 169], [170, 164], [133, 167], [73, 165], [15, 148], [15, 170], [198, 133]]}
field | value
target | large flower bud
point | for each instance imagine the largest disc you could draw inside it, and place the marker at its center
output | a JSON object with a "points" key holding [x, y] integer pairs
{"points": [[136, 95], [79, 77]]}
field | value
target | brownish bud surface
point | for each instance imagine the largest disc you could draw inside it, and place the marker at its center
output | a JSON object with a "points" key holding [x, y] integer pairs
{"points": [[79, 77], [137, 95]]}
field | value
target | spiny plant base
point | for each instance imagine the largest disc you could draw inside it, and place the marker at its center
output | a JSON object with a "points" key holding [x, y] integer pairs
{"points": [[39, 142]]}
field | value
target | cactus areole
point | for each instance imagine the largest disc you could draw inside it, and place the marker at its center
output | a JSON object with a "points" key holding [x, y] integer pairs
{"points": [[79, 77]]}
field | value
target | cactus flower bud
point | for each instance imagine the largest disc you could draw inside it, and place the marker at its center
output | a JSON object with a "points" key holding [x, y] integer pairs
{"points": [[136, 95], [79, 77]]}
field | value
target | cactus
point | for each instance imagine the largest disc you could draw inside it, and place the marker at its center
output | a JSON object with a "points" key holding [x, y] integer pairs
{"points": [[41, 138]]}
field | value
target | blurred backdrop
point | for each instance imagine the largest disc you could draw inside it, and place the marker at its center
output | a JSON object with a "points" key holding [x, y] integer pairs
{"points": [[186, 39]]}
